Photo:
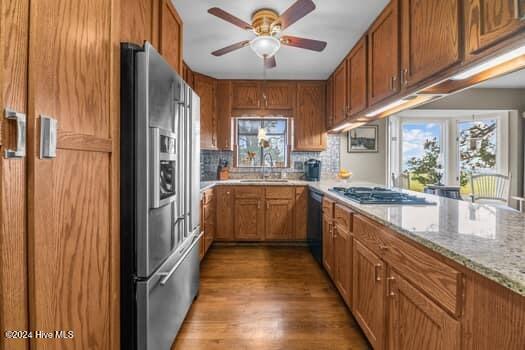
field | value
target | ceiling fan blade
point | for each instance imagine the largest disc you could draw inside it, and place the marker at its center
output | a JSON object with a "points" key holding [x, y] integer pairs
{"points": [[309, 44], [269, 62], [229, 18], [231, 48], [294, 13]]}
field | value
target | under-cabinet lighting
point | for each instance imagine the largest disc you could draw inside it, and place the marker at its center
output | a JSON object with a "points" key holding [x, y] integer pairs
{"points": [[490, 63], [341, 127], [386, 108]]}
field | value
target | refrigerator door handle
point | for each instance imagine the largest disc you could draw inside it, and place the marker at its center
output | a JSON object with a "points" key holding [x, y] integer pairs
{"points": [[167, 275]]}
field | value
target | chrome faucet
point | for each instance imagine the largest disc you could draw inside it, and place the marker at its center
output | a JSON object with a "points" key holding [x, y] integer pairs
{"points": [[264, 164]]}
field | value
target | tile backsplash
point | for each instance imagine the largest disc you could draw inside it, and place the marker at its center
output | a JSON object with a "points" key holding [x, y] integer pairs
{"points": [[329, 162]]}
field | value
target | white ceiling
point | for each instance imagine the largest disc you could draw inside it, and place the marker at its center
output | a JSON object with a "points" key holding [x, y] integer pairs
{"points": [[338, 22], [514, 80]]}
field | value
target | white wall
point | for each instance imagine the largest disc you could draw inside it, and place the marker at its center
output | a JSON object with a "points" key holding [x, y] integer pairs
{"points": [[368, 167]]}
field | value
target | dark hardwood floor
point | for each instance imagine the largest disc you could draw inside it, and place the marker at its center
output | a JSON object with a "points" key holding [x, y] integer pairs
{"points": [[267, 297]]}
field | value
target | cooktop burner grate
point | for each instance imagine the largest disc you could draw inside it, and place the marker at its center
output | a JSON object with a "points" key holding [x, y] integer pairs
{"points": [[379, 195]]}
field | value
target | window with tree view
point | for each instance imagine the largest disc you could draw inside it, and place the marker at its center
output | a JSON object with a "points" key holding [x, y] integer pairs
{"points": [[477, 148], [256, 138]]}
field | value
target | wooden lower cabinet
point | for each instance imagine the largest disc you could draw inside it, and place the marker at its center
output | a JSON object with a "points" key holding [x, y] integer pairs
{"points": [[301, 213], [328, 237], [208, 220], [342, 251], [279, 219], [369, 294], [414, 321], [225, 195], [249, 219]]}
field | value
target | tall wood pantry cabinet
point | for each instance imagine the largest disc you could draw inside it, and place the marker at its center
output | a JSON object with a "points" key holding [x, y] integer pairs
{"points": [[59, 232]]}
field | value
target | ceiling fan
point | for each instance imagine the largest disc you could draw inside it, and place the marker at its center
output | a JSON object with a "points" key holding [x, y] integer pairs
{"points": [[267, 25]]}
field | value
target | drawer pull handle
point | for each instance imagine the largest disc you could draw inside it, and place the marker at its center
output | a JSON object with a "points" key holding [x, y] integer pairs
{"points": [[389, 292], [376, 272]]}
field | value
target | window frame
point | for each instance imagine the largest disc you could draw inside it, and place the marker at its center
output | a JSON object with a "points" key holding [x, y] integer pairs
{"points": [[286, 134]]}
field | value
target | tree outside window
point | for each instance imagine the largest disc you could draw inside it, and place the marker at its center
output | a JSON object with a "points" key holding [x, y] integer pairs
{"points": [[250, 153]]}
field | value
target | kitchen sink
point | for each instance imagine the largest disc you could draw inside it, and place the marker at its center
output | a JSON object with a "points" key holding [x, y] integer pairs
{"points": [[267, 180]]}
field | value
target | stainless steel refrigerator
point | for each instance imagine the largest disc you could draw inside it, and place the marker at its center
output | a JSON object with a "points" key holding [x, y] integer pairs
{"points": [[159, 195]]}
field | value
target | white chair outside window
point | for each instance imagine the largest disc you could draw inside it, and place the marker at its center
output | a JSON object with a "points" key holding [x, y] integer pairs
{"points": [[492, 189], [401, 181]]}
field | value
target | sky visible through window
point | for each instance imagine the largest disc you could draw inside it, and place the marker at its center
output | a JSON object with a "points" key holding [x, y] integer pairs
{"points": [[414, 137]]}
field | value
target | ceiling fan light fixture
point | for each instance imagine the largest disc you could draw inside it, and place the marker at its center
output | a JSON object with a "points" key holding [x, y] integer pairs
{"points": [[265, 46]]}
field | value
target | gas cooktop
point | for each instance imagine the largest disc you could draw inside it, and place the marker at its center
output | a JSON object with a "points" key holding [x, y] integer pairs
{"points": [[379, 195]]}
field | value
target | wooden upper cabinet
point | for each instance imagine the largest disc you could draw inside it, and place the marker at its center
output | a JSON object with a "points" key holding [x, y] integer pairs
{"points": [[205, 88], [415, 322], [246, 95], [279, 95], [368, 294], [430, 38], [356, 81], [383, 55], [170, 35], [224, 116], [309, 124], [187, 74], [136, 21], [340, 106], [487, 22], [330, 103]]}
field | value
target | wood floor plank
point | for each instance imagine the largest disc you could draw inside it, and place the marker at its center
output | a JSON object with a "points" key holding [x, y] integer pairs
{"points": [[256, 297]]}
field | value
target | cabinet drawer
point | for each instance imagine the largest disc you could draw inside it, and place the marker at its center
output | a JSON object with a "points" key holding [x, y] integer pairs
{"points": [[328, 208], [438, 280], [343, 218], [280, 192], [249, 192], [370, 234]]}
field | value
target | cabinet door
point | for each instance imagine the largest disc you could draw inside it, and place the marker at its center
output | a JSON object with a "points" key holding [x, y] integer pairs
{"points": [[330, 103], [171, 35], [343, 263], [415, 322], [369, 297], [246, 95], [430, 38], [487, 22], [205, 88], [279, 219], [73, 198], [249, 219], [14, 29], [136, 21], [309, 122], [340, 104], [187, 75], [210, 224], [279, 95], [224, 213], [328, 245], [301, 213], [383, 55], [356, 78], [224, 116]]}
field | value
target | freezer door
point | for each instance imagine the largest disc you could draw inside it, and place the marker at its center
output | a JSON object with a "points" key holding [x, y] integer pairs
{"points": [[157, 223], [164, 300]]}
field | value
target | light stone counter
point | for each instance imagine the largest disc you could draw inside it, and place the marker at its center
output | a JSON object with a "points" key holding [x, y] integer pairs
{"points": [[486, 239]]}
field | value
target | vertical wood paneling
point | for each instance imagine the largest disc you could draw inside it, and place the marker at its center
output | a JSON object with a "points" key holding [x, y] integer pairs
{"points": [[13, 239], [73, 231]]}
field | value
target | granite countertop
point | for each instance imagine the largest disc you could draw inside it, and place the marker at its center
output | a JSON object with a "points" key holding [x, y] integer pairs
{"points": [[484, 238]]}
